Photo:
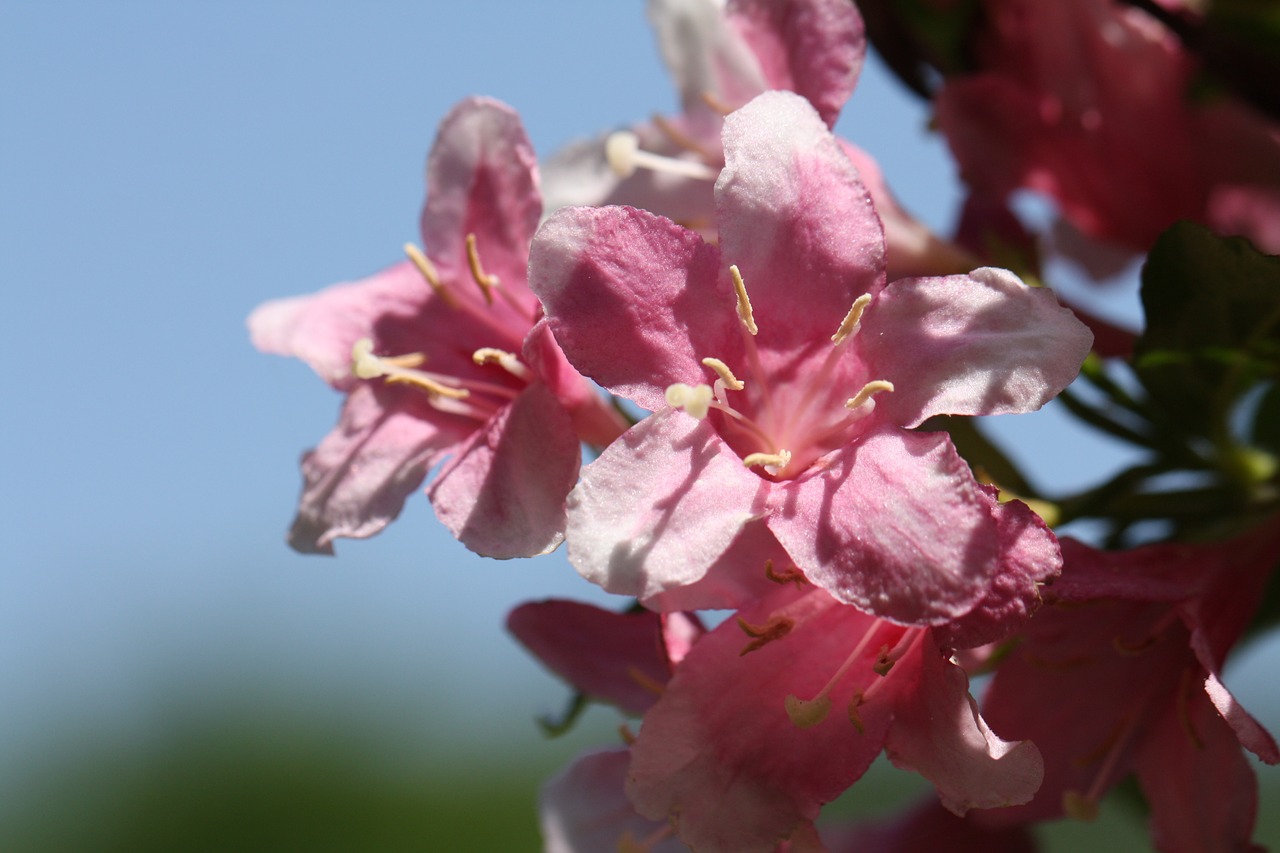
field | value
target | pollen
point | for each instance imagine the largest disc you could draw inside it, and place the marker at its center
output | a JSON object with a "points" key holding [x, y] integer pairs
{"points": [[744, 301], [694, 399], [486, 281]]}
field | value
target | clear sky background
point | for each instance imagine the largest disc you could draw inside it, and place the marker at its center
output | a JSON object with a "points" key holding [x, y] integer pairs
{"points": [[164, 167]]}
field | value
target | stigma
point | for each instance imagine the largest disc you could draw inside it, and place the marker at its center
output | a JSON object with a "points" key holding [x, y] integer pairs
{"points": [[623, 152]]}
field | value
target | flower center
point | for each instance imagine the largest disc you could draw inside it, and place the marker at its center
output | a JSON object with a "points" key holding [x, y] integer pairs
{"points": [[470, 397], [781, 430]]}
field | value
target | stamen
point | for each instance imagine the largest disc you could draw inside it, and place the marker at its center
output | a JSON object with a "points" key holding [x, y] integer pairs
{"points": [[854, 717], [427, 270], [655, 687], [786, 576], [504, 359], [366, 365], [716, 103], [628, 736], [722, 370], [875, 386], [486, 281], [850, 324], [694, 399], [1079, 807], [680, 138], [806, 713], [778, 460], [623, 151], [744, 302], [775, 629]]}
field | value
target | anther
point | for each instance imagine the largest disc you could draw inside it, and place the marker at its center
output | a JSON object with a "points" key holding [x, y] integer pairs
{"points": [[655, 687], [623, 152], [694, 399], [849, 325], [854, 717], [873, 387], [786, 576], [778, 460], [744, 302], [486, 281], [722, 370], [775, 629], [807, 713], [425, 268], [504, 359], [680, 138], [1076, 805], [366, 365], [716, 103]]}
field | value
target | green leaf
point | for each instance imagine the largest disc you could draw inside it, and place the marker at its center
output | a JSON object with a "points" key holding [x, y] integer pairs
{"points": [[1213, 324]]}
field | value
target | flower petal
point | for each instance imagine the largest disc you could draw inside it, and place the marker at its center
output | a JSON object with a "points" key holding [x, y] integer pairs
{"points": [[659, 507], [355, 481], [977, 344], [895, 524], [938, 733], [503, 493], [632, 298], [614, 657], [482, 175], [796, 220]]}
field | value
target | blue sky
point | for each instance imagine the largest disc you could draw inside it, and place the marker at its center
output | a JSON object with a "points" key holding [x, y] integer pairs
{"points": [[166, 167]]}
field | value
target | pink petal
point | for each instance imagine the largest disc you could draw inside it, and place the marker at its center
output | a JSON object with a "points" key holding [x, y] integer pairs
{"points": [[356, 479], [795, 220], [595, 420], [1029, 558], [1201, 790], [632, 298], [659, 507], [322, 328], [614, 657], [584, 809], [503, 493], [814, 48], [737, 576], [981, 344], [922, 828], [894, 524], [718, 751], [482, 179], [938, 733]]}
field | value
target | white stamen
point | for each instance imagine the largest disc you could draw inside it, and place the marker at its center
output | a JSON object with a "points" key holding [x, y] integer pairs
{"points": [[623, 151], [694, 399], [849, 326]]}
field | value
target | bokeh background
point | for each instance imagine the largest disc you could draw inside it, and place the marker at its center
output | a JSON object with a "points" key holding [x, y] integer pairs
{"points": [[172, 677]]}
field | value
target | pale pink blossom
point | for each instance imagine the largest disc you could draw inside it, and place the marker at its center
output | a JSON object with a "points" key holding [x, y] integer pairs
{"points": [[443, 363], [786, 378]]}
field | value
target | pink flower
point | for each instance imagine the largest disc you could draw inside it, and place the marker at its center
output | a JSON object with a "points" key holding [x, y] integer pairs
{"points": [[810, 450], [442, 358], [1072, 89], [721, 55], [778, 711], [1121, 675]]}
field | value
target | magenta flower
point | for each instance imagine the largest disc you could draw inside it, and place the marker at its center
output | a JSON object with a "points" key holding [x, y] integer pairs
{"points": [[778, 711], [441, 359], [1120, 675], [1072, 88], [785, 377]]}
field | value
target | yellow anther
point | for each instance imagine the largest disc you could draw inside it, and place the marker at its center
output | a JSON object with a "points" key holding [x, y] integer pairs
{"points": [[715, 102], [681, 138], [778, 460], [775, 629], [849, 326], [722, 370], [744, 302], [486, 281], [366, 365], [425, 267], [873, 387], [507, 361], [694, 399]]}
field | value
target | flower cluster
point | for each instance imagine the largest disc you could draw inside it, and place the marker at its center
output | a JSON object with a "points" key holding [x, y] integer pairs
{"points": [[778, 374]]}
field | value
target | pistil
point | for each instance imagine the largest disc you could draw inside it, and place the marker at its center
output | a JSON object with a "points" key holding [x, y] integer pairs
{"points": [[807, 713], [623, 152]]}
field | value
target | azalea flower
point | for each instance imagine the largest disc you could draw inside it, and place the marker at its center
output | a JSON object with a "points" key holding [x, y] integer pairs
{"points": [[721, 55], [1120, 674], [442, 360], [785, 377], [1070, 89]]}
